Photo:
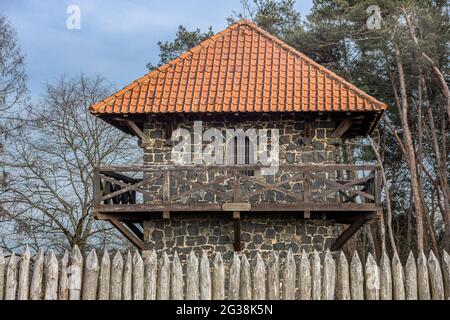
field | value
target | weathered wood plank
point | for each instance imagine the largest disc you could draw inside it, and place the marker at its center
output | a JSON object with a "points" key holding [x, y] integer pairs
{"points": [[36, 291], [445, 271], [289, 274], [127, 278], [329, 277], [151, 275], [11, 281], [385, 278], [51, 276], [356, 278], [24, 275], [436, 279], [259, 279], [104, 279], [423, 281], [74, 272], [116, 277], [90, 276], [138, 277], [63, 288], [372, 277], [273, 277], [343, 278], [234, 278], [304, 277], [246, 282], [192, 277], [316, 278], [218, 282], [2, 274], [177, 278], [411, 289], [205, 278], [398, 279], [163, 288]]}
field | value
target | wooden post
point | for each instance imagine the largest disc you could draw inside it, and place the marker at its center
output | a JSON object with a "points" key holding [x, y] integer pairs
{"points": [[104, 277], [398, 281], [37, 277], [151, 274], [177, 278], [63, 291], [273, 280], [316, 276], [423, 282], [51, 277], [411, 278], [289, 274], [237, 231], [74, 273], [259, 279], [436, 280], [372, 283], [138, 277], [11, 282], [329, 277], [385, 278], [246, 287], [445, 271], [127, 277], [2, 274], [356, 278], [218, 283], [205, 278], [90, 276], [343, 278], [304, 277], [234, 279], [192, 278], [116, 277], [23, 285], [163, 289]]}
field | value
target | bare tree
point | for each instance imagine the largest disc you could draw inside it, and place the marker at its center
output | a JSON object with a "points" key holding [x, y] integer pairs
{"points": [[48, 195], [13, 88]]}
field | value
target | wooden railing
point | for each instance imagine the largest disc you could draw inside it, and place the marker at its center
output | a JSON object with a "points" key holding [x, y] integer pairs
{"points": [[307, 188]]}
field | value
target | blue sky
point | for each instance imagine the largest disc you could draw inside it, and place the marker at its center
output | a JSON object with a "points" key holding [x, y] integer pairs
{"points": [[117, 38]]}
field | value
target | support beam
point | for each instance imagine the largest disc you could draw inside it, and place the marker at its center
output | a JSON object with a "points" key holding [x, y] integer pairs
{"points": [[137, 131], [237, 231], [127, 233], [138, 233], [347, 234], [342, 129]]}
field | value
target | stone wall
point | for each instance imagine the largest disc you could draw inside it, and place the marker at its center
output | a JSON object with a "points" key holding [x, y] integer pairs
{"points": [[275, 231], [215, 233]]}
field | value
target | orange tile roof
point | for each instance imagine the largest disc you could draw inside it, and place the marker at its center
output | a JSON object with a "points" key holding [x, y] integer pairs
{"points": [[241, 69]]}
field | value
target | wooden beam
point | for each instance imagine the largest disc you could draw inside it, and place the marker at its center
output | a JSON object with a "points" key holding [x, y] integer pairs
{"points": [[347, 234], [237, 231], [127, 233], [342, 129], [135, 230], [137, 131]]}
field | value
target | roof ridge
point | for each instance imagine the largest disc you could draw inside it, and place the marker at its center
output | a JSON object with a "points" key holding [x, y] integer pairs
{"points": [[165, 67], [312, 62]]}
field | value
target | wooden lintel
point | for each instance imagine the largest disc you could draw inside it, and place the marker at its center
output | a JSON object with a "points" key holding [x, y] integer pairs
{"points": [[127, 233], [342, 128], [347, 234], [137, 131], [237, 231]]}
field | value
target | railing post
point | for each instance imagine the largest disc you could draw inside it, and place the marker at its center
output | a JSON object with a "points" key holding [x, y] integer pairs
{"points": [[97, 188], [378, 185]]}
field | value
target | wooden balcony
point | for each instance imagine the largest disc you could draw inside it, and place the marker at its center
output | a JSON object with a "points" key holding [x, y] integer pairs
{"points": [[349, 194]]}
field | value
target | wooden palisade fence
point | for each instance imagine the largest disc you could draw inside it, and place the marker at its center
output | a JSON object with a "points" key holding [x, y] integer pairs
{"points": [[131, 277]]}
